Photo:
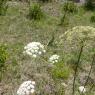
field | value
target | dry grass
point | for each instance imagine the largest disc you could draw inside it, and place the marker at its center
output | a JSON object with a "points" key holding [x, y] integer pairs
{"points": [[16, 30]]}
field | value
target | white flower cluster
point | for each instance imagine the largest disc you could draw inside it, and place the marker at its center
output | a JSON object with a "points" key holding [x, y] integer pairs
{"points": [[54, 58], [77, 34], [82, 89], [34, 49], [26, 88], [80, 32]]}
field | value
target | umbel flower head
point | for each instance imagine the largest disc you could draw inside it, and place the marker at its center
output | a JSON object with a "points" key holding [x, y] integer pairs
{"points": [[26, 88], [34, 49], [82, 89], [73, 38], [78, 33], [54, 58]]}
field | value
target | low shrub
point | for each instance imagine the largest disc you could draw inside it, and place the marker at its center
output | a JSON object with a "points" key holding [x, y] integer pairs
{"points": [[35, 12], [89, 5], [69, 7], [3, 58], [60, 71], [3, 55], [92, 19], [3, 7]]}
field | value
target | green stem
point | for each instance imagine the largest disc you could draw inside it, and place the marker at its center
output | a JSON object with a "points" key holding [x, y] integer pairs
{"points": [[63, 18], [76, 69], [93, 60]]}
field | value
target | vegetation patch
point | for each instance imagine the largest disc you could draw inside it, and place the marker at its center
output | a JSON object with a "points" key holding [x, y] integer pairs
{"points": [[35, 12]]}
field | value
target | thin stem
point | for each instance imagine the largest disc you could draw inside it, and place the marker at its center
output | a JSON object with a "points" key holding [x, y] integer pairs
{"points": [[93, 60], [63, 18], [92, 87], [1, 74], [76, 69]]}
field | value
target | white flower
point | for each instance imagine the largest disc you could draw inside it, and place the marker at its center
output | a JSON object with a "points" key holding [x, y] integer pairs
{"points": [[39, 52], [82, 89], [32, 90], [33, 82], [34, 55], [26, 88], [54, 58], [44, 51], [34, 49]]}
